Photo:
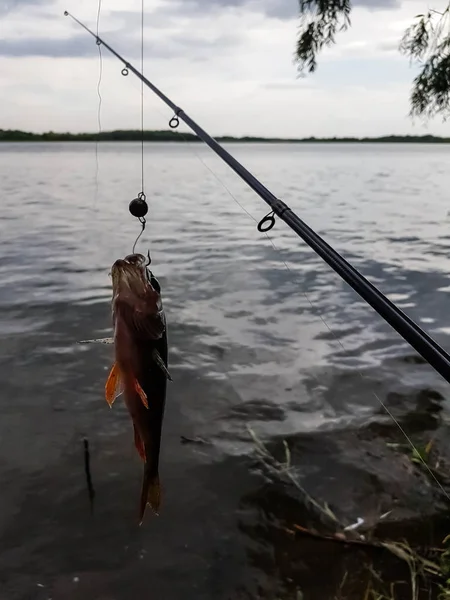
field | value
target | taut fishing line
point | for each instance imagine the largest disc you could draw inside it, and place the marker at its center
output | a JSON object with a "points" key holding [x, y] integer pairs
{"points": [[85, 440], [142, 96], [138, 206], [99, 109], [315, 309], [437, 359]]}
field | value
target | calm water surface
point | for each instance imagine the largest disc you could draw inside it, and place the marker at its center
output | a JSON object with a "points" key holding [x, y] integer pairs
{"points": [[263, 334]]}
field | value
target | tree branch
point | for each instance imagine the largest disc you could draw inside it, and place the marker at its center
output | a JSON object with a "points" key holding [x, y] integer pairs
{"points": [[320, 20], [426, 42]]}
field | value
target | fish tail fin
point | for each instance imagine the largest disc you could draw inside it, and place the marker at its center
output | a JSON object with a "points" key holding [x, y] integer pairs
{"points": [[150, 494]]}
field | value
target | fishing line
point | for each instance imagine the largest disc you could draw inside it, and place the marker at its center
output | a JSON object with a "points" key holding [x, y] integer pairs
{"points": [[85, 440], [142, 96], [315, 309], [143, 223], [436, 356], [138, 207], [99, 109]]}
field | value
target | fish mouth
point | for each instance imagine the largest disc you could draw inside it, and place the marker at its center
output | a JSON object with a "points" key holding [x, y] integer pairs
{"points": [[130, 274], [135, 260]]}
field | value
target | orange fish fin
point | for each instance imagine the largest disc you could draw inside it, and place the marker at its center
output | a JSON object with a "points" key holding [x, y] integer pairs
{"points": [[139, 443], [141, 393], [150, 494], [114, 385]]}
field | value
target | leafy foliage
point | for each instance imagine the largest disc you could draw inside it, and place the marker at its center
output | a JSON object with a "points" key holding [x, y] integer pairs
{"points": [[426, 42], [319, 22]]}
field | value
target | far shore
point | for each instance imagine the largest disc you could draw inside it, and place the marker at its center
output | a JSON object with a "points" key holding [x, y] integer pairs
{"points": [[10, 135]]}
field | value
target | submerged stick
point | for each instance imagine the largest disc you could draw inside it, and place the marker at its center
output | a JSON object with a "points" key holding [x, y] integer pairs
{"points": [[87, 470]]}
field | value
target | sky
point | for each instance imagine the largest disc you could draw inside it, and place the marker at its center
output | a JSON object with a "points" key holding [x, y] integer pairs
{"points": [[228, 63]]}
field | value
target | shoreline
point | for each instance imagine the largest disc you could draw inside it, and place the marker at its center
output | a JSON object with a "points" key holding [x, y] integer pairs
{"points": [[12, 136]]}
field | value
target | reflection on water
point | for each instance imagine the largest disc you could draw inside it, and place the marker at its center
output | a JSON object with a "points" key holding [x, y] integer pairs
{"points": [[287, 351]]}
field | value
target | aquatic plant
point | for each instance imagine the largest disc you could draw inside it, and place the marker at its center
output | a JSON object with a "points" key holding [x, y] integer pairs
{"points": [[428, 568]]}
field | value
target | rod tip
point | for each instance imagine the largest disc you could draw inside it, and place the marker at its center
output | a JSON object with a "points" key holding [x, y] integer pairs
{"points": [[66, 14]]}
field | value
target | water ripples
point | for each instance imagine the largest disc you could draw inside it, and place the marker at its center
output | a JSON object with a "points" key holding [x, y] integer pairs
{"points": [[219, 275]]}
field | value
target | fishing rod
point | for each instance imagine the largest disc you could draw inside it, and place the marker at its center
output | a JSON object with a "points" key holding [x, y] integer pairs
{"points": [[416, 337]]}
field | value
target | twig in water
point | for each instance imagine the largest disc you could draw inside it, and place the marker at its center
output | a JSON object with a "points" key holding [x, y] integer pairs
{"points": [[87, 470]]}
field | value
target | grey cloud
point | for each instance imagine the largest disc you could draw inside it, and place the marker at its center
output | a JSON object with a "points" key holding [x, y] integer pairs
{"points": [[388, 45], [280, 9], [8, 6], [83, 45], [131, 20], [292, 86], [75, 46], [124, 27], [12, 4], [378, 4]]}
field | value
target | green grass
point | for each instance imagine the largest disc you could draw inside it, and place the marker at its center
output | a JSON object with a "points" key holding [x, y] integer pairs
{"points": [[430, 572]]}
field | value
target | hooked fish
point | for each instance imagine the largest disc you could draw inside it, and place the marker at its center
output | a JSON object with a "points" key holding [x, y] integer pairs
{"points": [[140, 370]]}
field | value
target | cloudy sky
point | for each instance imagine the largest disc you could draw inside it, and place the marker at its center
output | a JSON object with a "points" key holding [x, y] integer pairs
{"points": [[228, 63]]}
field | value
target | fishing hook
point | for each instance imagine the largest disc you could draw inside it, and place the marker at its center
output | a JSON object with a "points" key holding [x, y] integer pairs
{"points": [[143, 222]]}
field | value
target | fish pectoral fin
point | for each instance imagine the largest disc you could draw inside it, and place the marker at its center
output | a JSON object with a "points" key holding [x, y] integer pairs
{"points": [[142, 395], [161, 364], [139, 443], [114, 385]]}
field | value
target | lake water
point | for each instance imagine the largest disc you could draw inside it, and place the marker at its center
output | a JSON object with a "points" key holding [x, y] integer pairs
{"points": [[262, 334]]}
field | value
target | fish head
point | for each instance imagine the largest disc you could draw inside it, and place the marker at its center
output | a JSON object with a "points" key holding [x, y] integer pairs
{"points": [[136, 301], [130, 276]]}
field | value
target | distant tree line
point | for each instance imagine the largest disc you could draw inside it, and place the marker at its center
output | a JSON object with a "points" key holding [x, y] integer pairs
{"points": [[15, 135]]}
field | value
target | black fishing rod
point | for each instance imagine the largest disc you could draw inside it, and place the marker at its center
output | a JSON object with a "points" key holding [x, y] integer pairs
{"points": [[428, 348]]}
